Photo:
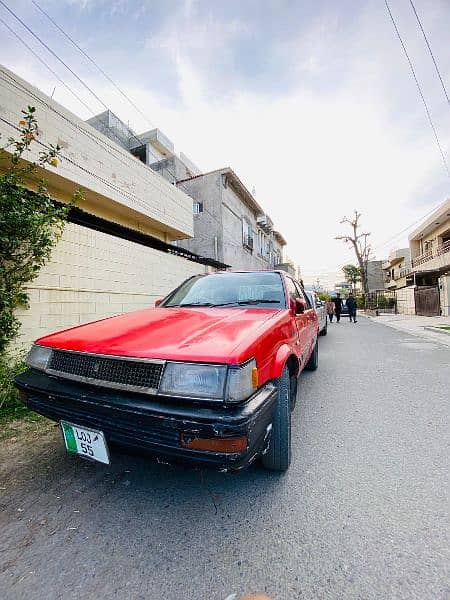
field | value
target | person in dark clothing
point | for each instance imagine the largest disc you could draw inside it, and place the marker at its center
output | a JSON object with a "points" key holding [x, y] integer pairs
{"points": [[337, 307], [351, 305]]}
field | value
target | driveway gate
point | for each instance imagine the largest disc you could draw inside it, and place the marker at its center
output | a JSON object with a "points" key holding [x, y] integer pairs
{"points": [[427, 301], [382, 302]]}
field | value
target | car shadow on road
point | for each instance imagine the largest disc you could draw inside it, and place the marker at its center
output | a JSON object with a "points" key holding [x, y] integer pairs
{"points": [[137, 482]]}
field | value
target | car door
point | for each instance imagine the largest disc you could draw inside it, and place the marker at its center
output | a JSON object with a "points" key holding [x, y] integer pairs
{"points": [[310, 320], [301, 321], [320, 310], [298, 320]]}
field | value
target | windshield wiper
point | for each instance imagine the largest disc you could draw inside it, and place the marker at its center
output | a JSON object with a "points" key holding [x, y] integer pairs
{"points": [[191, 304], [235, 303], [259, 301], [249, 301]]}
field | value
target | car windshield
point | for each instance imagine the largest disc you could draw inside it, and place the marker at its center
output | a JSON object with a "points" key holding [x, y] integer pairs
{"points": [[261, 289]]}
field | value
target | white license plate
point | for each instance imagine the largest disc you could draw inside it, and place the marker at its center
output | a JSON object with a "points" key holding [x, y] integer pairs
{"points": [[85, 442]]}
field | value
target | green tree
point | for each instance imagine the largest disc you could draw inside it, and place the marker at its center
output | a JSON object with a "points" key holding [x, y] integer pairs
{"points": [[31, 223], [352, 274], [324, 297]]}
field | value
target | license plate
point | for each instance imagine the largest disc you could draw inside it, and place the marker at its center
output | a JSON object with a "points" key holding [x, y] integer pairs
{"points": [[85, 442]]}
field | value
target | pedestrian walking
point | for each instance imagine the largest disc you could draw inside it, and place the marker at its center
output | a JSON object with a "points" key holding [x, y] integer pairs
{"points": [[351, 305], [330, 309], [337, 306]]}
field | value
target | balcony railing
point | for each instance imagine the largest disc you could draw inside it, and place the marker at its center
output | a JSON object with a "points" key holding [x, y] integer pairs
{"points": [[405, 271], [423, 258], [443, 248]]}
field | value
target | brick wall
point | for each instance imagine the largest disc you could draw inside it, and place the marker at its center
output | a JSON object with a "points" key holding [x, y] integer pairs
{"points": [[406, 304], [93, 275]]}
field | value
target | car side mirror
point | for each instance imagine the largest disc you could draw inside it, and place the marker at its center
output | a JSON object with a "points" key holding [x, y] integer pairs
{"points": [[300, 306], [158, 301]]}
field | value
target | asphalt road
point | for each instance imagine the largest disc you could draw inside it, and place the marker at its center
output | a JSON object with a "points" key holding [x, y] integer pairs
{"points": [[362, 513]]}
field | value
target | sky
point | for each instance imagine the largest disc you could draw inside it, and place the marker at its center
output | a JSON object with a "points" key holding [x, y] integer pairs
{"points": [[311, 103]]}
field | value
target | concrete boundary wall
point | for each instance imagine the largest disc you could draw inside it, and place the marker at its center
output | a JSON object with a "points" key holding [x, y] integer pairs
{"points": [[116, 185]]}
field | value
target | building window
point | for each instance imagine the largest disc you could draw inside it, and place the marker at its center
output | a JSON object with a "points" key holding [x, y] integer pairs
{"points": [[141, 153], [198, 208], [247, 234]]}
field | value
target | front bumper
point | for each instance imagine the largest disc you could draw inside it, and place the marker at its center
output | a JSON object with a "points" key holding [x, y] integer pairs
{"points": [[147, 423]]}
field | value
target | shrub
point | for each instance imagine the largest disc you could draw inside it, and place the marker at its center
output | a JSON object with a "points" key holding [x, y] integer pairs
{"points": [[30, 223], [382, 302], [360, 303], [10, 405]]}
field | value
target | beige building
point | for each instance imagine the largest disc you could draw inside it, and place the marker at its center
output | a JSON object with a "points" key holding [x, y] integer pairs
{"points": [[117, 252], [229, 224], [396, 268], [430, 257]]}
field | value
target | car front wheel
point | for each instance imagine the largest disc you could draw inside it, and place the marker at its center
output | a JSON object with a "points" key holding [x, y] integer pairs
{"points": [[278, 454]]}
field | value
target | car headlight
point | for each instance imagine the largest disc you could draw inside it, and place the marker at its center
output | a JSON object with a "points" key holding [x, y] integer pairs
{"points": [[194, 380], [242, 382], [38, 357]]}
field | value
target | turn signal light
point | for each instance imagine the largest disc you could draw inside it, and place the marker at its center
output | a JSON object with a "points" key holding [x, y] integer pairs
{"points": [[226, 445], [255, 379]]}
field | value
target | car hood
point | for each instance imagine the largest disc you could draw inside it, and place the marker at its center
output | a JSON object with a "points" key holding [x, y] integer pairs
{"points": [[196, 334]]}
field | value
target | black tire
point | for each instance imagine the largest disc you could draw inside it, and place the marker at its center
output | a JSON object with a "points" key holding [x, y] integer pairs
{"points": [[294, 386], [313, 361], [278, 455], [325, 329]]}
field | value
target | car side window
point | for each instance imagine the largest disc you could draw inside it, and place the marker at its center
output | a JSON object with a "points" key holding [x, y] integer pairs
{"points": [[292, 290], [302, 295]]}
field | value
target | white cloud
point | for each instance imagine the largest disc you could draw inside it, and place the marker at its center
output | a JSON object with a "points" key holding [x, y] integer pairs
{"points": [[313, 154]]}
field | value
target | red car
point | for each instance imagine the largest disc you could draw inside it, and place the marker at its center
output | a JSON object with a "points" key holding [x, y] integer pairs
{"points": [[208, 376]]}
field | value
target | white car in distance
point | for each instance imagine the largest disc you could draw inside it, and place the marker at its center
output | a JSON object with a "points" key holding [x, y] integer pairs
{"points": [[321, 311]]}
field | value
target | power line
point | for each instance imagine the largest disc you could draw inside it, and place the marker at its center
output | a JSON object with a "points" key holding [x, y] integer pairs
{"points": [[130, 131], [407, 228], [431, 53], [132, 134], [106, 182], [100, 142], [103, 144], [86, 55], [419, 88], [53, 54], [47, 66]]}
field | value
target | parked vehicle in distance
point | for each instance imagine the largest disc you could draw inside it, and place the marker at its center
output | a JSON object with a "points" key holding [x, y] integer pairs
{"points": [[344, 310], [209, 376], [321, 311]]}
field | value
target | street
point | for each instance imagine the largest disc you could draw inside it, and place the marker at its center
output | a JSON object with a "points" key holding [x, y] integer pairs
{"points": [[362, 512]]}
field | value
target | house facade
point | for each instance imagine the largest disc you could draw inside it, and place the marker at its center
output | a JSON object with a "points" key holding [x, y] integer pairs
{"points": [[430, 257], [153, 147], [375, 275], [229, 225], [117, 251], [396, 269]]}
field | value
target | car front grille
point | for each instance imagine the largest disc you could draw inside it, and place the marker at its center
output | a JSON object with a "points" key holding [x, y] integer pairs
{"points": [[111, 371]]}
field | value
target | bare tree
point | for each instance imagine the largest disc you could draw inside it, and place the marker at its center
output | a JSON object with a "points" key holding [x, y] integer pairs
{"points": [[359, 243]]}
